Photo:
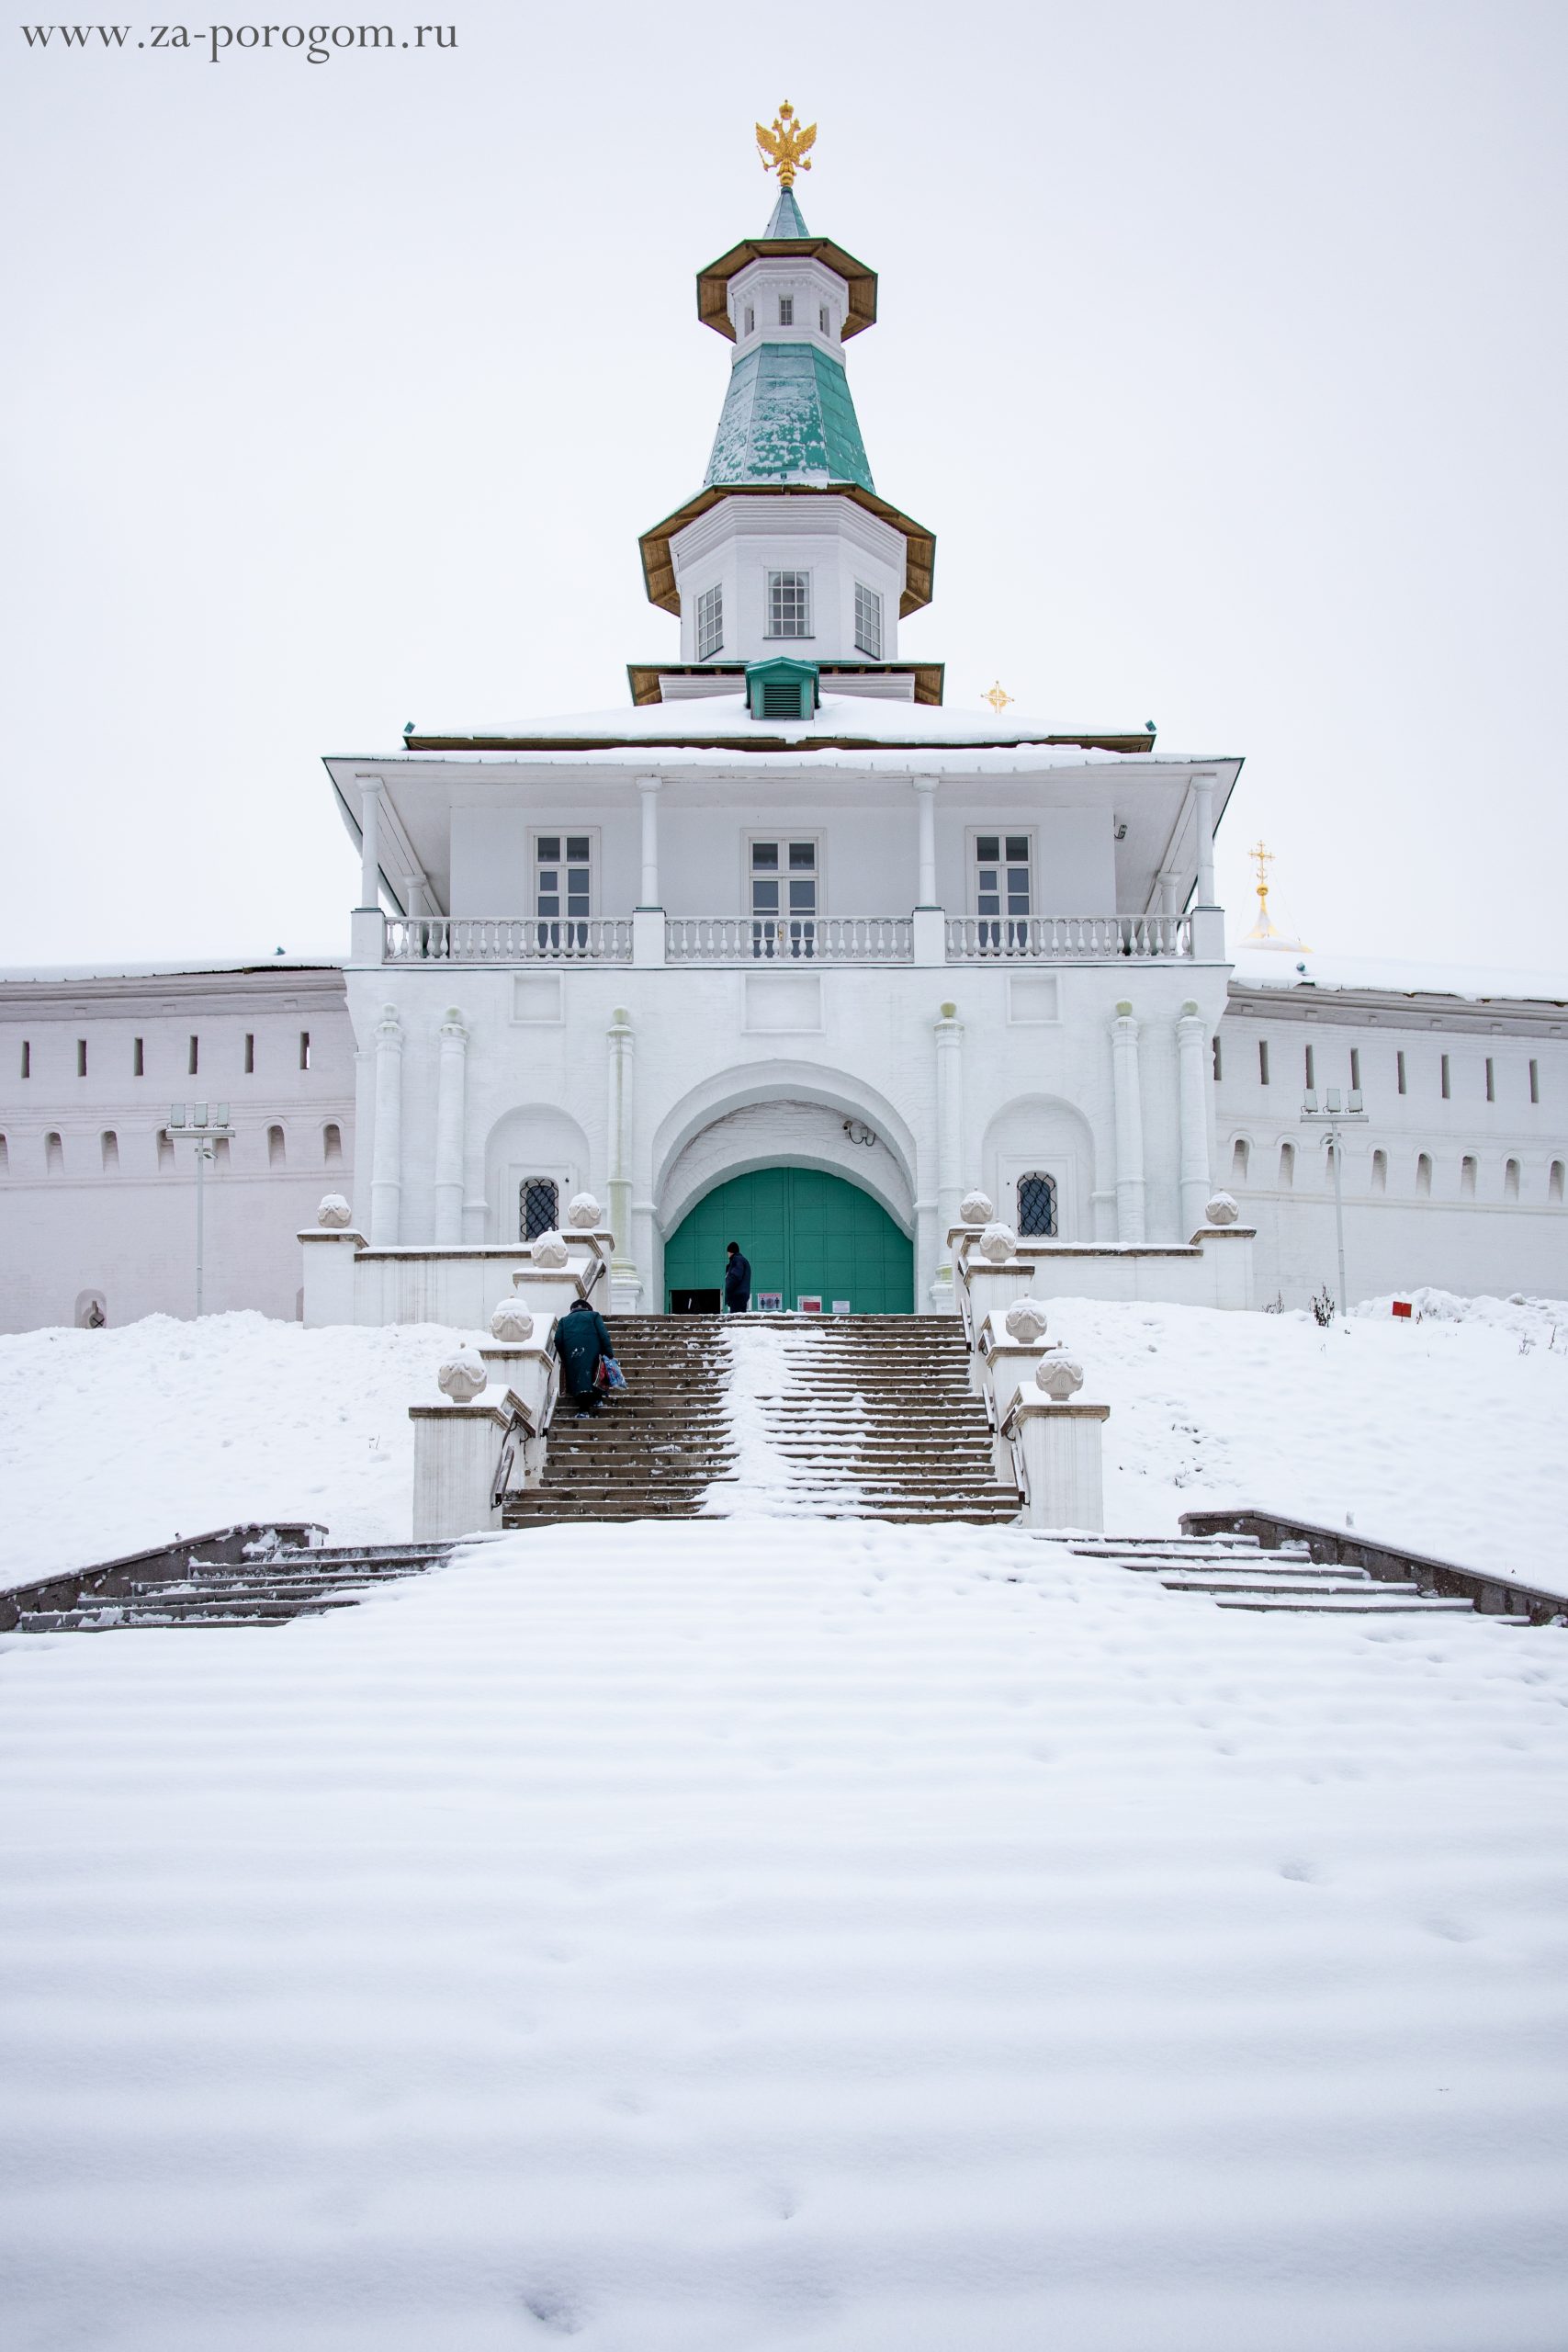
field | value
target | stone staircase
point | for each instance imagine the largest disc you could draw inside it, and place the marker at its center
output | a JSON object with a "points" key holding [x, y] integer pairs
{"points": [[1236, 1572], [650, 1452], [870, 1416], [874, 1416], [279, 1582]]}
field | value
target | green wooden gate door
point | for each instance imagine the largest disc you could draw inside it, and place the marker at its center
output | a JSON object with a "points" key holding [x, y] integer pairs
{"points": [[806, 1235]]}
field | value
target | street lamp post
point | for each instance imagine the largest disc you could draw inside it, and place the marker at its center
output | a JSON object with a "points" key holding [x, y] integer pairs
{"points": [[1336, 1114], [206, 1133]]}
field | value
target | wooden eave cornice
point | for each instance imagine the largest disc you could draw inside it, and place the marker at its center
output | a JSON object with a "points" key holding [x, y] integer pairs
{"points": [[713, 283], [659, 564], [644, 676]]}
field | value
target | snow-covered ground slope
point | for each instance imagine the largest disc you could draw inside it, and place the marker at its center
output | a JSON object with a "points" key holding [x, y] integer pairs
{"points": [[1446, 1434], [785, 1939]]}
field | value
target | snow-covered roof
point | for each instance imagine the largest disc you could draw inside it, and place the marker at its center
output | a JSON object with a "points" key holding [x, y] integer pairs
{"points": [[116, 967], [1395, 976], [847, 720]]}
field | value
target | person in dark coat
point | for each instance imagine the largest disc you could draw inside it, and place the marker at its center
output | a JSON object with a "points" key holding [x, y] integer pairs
{"points": [[737, 1282], [582, 1337]]}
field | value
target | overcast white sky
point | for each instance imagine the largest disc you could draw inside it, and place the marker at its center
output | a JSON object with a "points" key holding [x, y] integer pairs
{"points": [[1223, 346]]}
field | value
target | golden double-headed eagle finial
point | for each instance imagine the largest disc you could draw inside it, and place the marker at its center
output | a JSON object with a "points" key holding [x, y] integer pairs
{"points": [[783, 149]]}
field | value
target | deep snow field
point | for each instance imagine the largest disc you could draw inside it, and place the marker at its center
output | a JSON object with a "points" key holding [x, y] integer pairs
{"points": [[784, 1938], [1446, 1434]]}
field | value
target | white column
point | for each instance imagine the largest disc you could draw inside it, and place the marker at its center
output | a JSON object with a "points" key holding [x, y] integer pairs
{"points": [[1129, 1127], [1203, 793], [386, 1144], [450, 1127], [648, 789], [1192, 1044], [369, 841], [1169, 885], [625, 1285], [925, 788], [949, 1149], [414, 893]]}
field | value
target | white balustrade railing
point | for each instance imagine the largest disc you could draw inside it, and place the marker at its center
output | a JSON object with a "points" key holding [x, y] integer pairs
{"points": [[507, 939], [1037, 939], [788, 939]]}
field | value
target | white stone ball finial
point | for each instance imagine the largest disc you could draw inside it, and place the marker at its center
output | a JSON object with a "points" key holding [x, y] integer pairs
{"points": [[1025, 1320], [550, 1250], [511, 1322], [977, 1208], [584, 1212], [1060, 1376], [463, 1376], [334, 1211], [1222, 1209], [997, 1242]]}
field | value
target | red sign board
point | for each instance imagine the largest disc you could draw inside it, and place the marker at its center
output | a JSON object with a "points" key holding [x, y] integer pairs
{"points": [[1402, 1306]]}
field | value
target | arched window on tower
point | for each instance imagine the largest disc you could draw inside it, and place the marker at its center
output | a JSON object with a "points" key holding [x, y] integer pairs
{"points": [[538, 1206], [1287, 1166], [1511, 1181], [332, 1144], [108, 1148], [1379, 1171], [276, 1149], [1241, 1154], [1037, 1207], [1423, 1176], [1554, 1183]]}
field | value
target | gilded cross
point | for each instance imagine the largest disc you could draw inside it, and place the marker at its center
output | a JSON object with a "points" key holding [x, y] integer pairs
{"points": [[1264, 859], [998, 699]]}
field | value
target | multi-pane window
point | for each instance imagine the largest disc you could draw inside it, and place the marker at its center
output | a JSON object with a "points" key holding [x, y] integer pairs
{"points": [[789, 604], [1003, 893], [783, 882], [1037, 1205], [563, 874], [824, 324], [786, 309], [538, 1207], [710, 622], [868, 622], [750, 320]]}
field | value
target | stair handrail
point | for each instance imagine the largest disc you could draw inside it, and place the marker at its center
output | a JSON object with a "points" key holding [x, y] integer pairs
{"points": [[1495, 1593]]}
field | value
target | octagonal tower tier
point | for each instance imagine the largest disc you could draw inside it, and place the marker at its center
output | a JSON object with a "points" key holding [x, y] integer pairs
{"points": [[787, 549]]}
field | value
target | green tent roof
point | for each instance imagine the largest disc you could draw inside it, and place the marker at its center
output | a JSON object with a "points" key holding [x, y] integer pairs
{"points": [[786, 220], [788, 417]]}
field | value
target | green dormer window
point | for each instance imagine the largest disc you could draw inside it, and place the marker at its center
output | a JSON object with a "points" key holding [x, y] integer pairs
{"points": [[782, 689]]}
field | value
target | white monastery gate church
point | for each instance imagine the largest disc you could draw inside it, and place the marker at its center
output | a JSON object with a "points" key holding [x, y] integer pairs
{"points": [[788, 952]]}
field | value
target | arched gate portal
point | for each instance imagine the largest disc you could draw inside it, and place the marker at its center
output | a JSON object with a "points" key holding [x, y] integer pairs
{"points": [[807, 1234]]}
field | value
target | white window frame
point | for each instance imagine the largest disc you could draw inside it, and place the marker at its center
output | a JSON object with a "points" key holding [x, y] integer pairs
{"points": [[786, 309], [537, 833], [712, 597], [1003, 833], [871, 598], [790, 637], [784, 839]]}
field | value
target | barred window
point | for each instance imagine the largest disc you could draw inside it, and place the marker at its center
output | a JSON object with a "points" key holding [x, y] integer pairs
{"points": [[710, 623], [868, 622], [1037, 1207], [538, 1206], [789, 604]]}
